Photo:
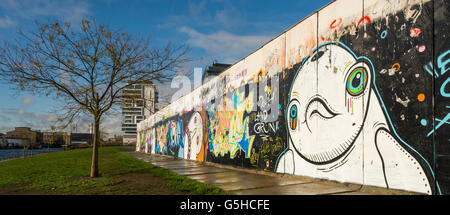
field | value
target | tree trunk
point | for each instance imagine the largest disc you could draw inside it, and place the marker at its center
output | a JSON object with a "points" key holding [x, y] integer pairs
{"points": [[95, 145]]}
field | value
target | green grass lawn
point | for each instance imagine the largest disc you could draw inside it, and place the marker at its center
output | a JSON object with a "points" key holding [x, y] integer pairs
{"points": [[67, 173]]}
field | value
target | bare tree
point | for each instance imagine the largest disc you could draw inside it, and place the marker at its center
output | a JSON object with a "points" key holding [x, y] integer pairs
{"points": [[85, 67]]}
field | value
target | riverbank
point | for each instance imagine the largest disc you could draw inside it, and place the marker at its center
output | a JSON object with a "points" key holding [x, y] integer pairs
{"points": [[12, 154], [67, 172]]}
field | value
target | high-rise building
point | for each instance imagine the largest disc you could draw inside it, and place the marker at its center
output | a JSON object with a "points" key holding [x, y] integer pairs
{"points": [[214, 70], [138, 103]]}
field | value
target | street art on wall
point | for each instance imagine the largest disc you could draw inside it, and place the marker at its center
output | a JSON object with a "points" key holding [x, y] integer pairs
{"points": [[346, 102], [357, 96], [229, 129], [193, 148]]}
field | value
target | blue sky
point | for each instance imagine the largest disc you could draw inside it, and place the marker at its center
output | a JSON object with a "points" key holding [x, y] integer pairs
{"points": [[214, 29]]}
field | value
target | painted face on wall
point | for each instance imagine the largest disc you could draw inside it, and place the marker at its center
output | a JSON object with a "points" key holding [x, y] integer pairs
{"points": [[194, 134], [323, 121]]}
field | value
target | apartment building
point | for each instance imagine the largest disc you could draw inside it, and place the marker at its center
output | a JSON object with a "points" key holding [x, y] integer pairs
{"points": [[138, 102]]}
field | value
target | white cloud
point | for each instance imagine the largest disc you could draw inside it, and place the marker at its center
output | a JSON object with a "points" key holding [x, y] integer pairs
{"points": [[225, 45], [13, 117], [68, 10], [36, 121], [112, 125], [200, 13], [20, 112], [27, 100], [6, 22], [230, 18]]}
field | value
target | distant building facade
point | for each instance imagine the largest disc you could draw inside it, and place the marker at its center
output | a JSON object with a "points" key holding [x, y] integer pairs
{"points": [[55, 138], [17, 142], [138, 103], [214, 70], [80, 138], [33, 137], [2, 141], [116, 140], [68, 139], [24, 136]]}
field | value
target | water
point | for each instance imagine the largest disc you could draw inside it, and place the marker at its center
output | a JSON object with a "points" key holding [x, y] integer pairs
{"points": [[13, 153]]}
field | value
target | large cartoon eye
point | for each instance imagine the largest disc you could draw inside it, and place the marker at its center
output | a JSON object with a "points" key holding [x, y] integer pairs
{"points": [[293, 112], [357, 81]]}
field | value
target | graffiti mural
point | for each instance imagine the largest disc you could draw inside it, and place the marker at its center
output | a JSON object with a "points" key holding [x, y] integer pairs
{"points": [[193, 137], [357, 96], [229, 125], [351, 104]]}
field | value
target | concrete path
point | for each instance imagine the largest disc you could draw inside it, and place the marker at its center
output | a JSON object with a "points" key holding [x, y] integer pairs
{"points": [[245, 182]]}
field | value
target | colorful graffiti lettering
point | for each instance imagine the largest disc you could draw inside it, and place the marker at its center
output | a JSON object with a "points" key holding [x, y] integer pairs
{"points": [[229, 130], [442, 64]]}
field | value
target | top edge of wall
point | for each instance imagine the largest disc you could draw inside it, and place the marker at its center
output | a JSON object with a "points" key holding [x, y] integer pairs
{"points": [[224, 73], [242, 59]]}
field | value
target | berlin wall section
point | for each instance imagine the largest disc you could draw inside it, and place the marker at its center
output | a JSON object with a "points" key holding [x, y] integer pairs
{"points": [[356, 92]]}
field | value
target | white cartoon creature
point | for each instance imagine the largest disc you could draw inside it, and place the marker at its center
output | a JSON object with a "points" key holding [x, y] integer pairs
{"points": [[337, 129], [193, 137]]}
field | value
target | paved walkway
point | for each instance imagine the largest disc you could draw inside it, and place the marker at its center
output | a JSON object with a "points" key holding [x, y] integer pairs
{"points": [[246, 182]]}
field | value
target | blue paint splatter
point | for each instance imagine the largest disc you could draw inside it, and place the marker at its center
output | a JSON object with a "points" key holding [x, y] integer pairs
{"points": [[446, 120], [424, 122], [384, 34]]}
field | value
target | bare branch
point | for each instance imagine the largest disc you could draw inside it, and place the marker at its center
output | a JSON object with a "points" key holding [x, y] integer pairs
{"points": [[85, 69]]}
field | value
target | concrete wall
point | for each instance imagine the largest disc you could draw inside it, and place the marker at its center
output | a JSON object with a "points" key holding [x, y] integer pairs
{"points": [[348, 94]]}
